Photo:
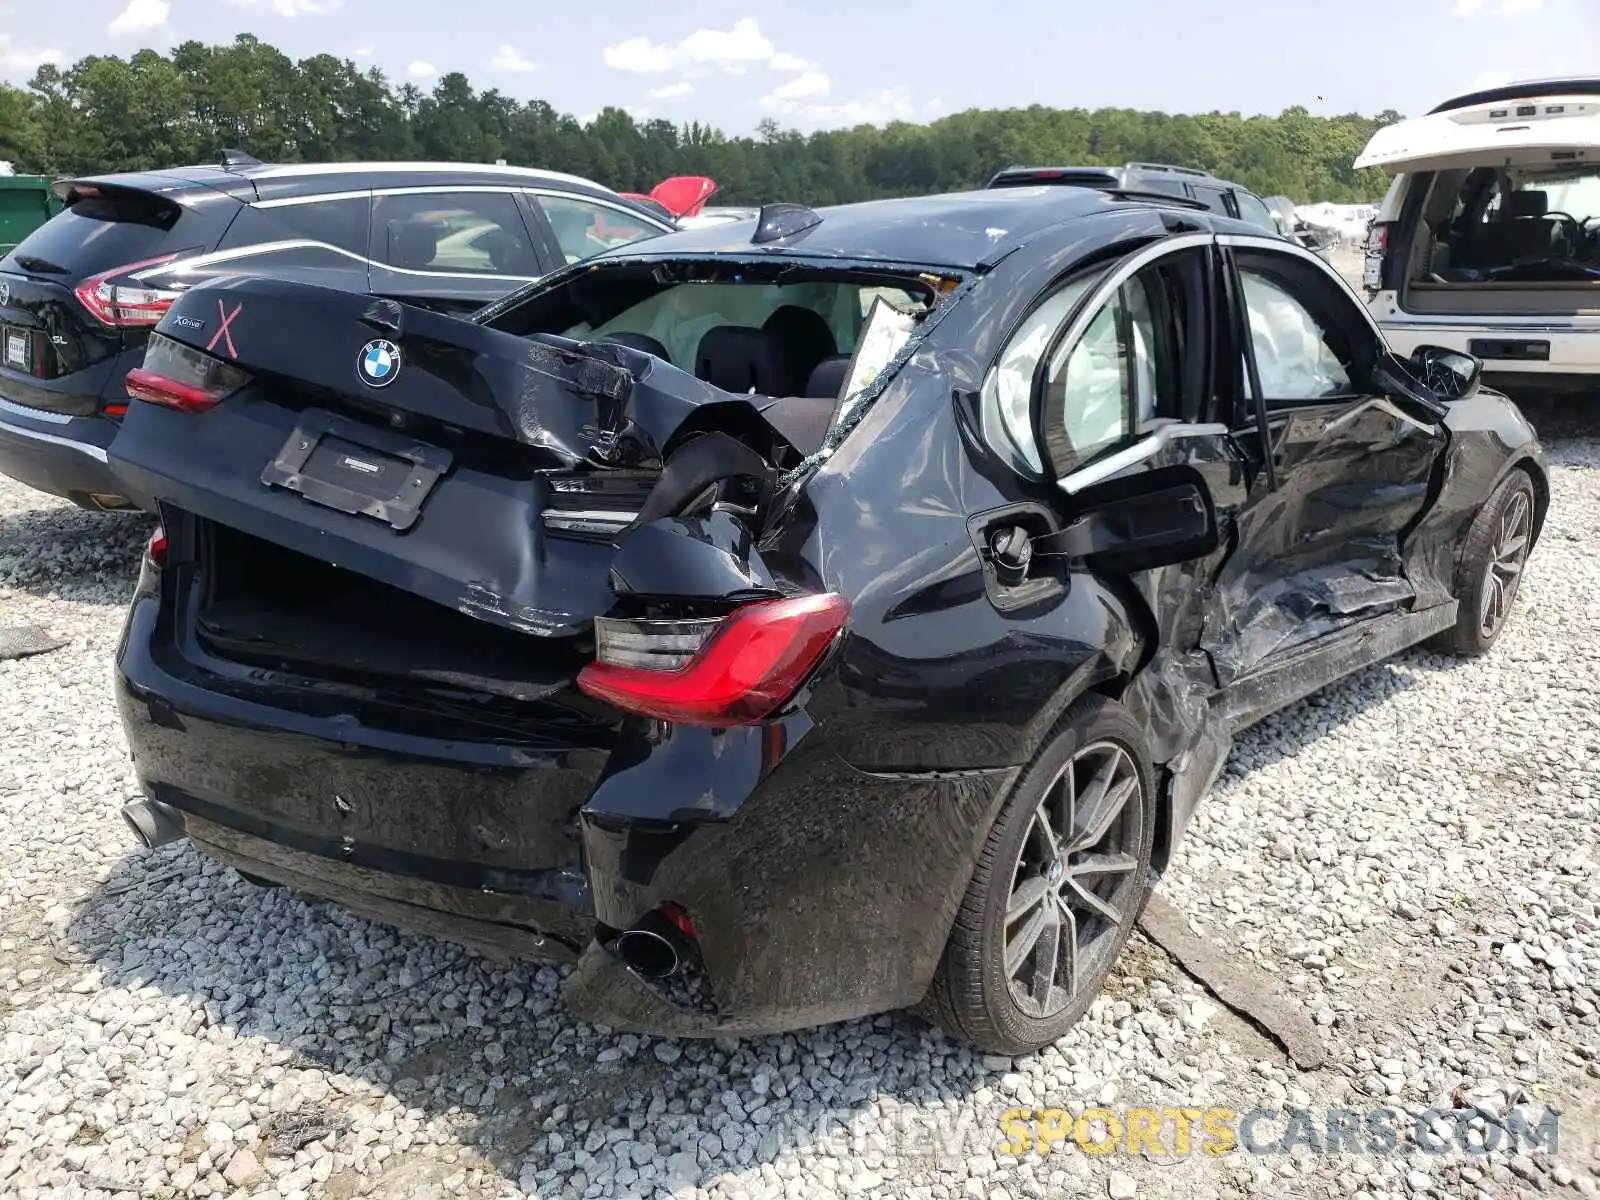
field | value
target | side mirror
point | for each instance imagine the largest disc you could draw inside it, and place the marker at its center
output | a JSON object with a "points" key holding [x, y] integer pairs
{"points": [[1450, 374], [1396, 378], [1153, 519]]}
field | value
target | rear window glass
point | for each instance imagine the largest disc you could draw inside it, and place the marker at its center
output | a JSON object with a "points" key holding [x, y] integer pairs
{"points": [[681, 316], [99, 233], [341, 224]]}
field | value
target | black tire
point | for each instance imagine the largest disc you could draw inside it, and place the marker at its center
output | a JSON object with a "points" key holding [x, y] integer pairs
{"points": [[1489, 562], [972, 996]]}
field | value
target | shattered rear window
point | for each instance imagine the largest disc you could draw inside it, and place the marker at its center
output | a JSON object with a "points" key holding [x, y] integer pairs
{"points": [[682, 315]]}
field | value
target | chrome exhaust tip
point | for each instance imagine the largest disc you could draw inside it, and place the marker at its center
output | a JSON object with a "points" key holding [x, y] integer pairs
{"points": [[153, 823], [649, 953]]}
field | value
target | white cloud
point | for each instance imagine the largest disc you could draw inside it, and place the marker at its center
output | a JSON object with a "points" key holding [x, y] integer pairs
{"points": [[363, 52], [813, 85], [16, 60], [509, 58], [1490, 79], [673, 91], [733, 51], [803, 101], [639, 55], [140, 17], [422, 70]]}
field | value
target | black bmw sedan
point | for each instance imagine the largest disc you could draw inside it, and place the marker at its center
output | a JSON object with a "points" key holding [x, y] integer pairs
{"points": [[794, 619]]}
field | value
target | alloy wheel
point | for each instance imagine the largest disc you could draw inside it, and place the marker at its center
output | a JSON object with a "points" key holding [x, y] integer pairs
{"points": [[1075, 880], [1506, 556]]}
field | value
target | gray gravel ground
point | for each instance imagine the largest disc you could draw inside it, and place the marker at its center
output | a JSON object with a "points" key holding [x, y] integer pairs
{"points": [[1409, 856]]}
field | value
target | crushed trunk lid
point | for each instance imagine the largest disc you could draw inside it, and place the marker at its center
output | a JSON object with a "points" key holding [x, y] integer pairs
{"points": [[466, 473]]}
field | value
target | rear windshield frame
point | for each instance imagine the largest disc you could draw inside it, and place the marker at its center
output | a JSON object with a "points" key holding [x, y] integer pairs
{"points": [[112, 227]]}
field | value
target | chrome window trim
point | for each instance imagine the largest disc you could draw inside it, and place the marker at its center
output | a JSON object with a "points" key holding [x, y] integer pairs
{"points": [[1147, 447]]}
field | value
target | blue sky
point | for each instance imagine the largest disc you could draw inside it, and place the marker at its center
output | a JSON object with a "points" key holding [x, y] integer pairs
{"points": [[825, 63]]}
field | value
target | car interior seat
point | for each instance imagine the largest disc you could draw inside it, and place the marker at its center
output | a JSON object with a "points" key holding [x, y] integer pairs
{"points": [[413, 244], [1521, 231], [508, 253], [742, 360], [805, 336]]}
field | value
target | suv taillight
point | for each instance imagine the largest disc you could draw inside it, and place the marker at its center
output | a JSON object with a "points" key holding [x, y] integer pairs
{"points": [[177, 376], [1377, 252], [733, 670], [126, 305]]}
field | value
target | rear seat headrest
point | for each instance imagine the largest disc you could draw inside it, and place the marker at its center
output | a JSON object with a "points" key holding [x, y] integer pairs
{"points": [[740, 360], [413, 243], [804, 333], [1527, 204], [828, 376]]}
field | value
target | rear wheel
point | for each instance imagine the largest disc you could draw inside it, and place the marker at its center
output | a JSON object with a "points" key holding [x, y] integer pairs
{"points": [[1057, 889], [1496, 548]]}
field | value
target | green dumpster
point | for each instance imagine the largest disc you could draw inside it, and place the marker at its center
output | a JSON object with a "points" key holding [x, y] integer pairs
{"points": [[26, 202]]}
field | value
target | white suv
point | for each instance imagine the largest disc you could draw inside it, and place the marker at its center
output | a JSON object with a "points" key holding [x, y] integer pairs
{"points": [[1489, 238]]}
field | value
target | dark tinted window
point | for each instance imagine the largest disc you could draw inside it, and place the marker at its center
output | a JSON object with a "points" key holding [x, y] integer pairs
{"points": [[1254, 211], [1213, 198], [338, 223], [469, 233], [99, 233], [1158, 183]]}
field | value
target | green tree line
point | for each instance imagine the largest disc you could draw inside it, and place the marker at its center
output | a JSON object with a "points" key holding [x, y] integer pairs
{"points": [[105, 113]]}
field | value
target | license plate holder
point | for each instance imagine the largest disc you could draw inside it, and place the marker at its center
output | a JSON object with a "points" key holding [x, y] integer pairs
{"points": [[18, 348], [357, 469]]}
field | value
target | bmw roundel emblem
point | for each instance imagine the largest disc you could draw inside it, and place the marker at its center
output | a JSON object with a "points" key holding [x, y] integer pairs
{"points": [[379, 362]]}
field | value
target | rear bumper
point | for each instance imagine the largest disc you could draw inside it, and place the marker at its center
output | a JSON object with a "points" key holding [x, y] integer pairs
{"points": [[1571, 355], [60, 455], [818, 892]]}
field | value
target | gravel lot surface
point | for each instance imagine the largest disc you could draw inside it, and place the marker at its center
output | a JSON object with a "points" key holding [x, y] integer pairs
{"points": [[1409, 858]]}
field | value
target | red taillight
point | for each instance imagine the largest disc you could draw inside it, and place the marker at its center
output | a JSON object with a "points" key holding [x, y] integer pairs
{"points": [[169, 393], [678, 919], [1377, 252], [736, 671], [126, 306], [157, 549], [181, 377]]}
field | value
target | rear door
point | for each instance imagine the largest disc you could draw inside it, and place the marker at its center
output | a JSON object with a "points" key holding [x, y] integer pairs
{"points": [[1342, 475], [454, 249], [70, 301]]}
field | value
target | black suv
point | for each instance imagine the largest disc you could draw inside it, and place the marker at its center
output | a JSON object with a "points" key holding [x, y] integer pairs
{"points": [[1220, 196], [79, 296]]}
